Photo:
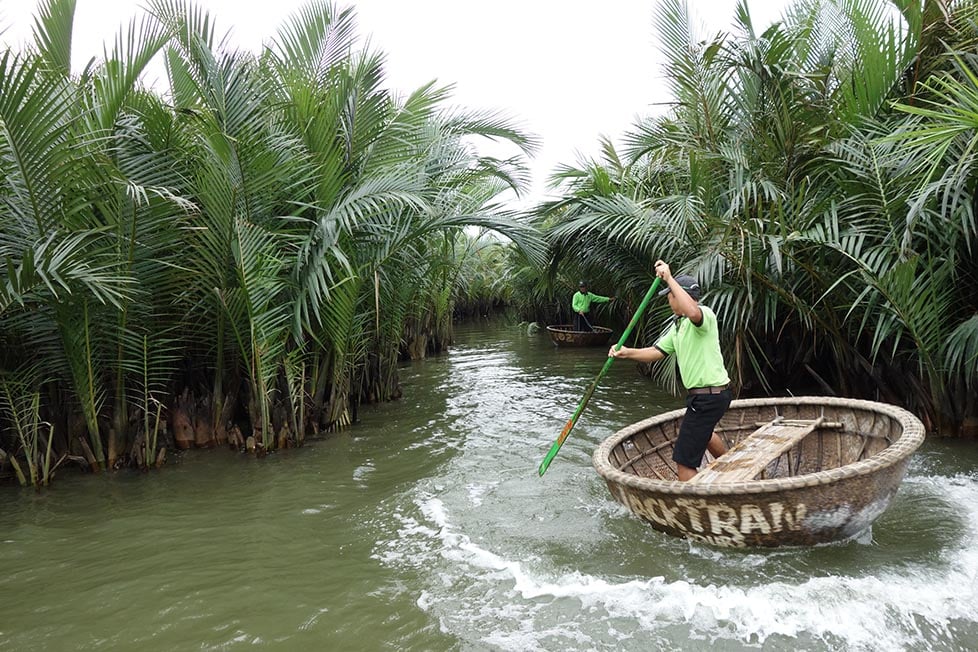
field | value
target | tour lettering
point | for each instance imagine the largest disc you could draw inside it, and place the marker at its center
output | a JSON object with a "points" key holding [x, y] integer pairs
{"points": [[716, 522]]}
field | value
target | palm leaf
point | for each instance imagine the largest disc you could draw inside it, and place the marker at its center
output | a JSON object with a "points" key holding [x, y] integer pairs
{"points": [[53, 34], [961, 352]]}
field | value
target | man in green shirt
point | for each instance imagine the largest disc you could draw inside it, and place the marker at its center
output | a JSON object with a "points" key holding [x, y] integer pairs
{"points": [[694, 338], [581, 303]]}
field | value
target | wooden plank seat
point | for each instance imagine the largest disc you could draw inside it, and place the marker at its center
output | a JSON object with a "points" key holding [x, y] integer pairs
{"points": [[753, 453]]}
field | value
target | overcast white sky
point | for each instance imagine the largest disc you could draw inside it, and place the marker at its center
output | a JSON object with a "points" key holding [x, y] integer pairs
{"points": [[567, 70]]}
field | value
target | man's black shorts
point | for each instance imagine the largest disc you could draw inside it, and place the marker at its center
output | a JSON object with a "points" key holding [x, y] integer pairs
{"points": [[703, 411]]}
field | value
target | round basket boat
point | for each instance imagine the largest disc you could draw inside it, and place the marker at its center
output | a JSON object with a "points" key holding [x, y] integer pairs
{"points": [[799, 471], [565, 335]]}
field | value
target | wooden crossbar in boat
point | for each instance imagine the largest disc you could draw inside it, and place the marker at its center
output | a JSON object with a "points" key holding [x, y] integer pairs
{"points": [[753, 453]]}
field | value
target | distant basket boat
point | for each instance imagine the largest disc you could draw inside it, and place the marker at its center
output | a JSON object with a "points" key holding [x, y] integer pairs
{"points": [[799, 471], [565, 335]]}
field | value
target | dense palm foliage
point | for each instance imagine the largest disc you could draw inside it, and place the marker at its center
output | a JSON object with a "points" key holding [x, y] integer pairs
{"points": [[819, 178], [244, 256]]}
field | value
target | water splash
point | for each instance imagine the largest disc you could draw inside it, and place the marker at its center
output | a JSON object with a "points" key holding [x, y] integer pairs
{"points": [[518, 603]]}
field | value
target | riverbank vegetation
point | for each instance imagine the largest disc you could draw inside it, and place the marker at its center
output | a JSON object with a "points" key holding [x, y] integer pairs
{"points": [[819, 178], [242, 257]]}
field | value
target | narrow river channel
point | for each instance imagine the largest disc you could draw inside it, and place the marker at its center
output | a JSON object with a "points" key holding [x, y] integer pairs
{"points": [[426, 527]]}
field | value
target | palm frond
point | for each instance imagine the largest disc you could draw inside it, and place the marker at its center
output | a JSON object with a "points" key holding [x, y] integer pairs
{"points": [[132, 52], [53, 30], [315, 40], [961, 352]]}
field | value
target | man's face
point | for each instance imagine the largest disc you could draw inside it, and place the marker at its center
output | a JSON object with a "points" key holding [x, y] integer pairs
{"points": [[672, 302]]}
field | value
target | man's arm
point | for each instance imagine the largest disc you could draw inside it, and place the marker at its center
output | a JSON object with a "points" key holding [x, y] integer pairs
{"points": [[685, 304], [648, 354]]}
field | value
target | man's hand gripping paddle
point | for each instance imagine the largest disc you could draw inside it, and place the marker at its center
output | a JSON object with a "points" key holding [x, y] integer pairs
{"points": [[587, 395]]}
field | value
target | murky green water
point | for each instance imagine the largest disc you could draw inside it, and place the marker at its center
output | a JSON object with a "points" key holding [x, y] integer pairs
{"points": [[426, 527]]}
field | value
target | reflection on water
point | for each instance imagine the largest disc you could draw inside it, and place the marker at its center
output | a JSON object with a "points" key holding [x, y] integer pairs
{"points": [[426, 527]]}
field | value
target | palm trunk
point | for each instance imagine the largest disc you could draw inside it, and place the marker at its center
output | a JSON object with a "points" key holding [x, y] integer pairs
{"points": [[217, 415], [88, 398]]}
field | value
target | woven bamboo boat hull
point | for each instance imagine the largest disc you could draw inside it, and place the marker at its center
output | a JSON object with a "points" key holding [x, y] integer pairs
{"points": [[565, 335], [829, 486]]}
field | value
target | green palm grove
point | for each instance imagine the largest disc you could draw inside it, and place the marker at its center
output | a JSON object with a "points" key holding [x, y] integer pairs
{"points": [[242, 258], [245, 257], [819, 178]]}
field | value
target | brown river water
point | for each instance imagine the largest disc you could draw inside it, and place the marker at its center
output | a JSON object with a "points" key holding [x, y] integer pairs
{"points": [[426, 527]]}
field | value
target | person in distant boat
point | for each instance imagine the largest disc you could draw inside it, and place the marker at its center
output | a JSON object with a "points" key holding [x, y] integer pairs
{"points": [[581, 303], [694, 338]]}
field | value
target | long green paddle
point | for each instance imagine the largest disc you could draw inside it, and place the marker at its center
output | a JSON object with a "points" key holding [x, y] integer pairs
{"points": [[552, 453]]}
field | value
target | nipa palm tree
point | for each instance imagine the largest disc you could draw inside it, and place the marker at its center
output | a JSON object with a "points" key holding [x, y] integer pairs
{"points": [[237, 257], [771, 178]]}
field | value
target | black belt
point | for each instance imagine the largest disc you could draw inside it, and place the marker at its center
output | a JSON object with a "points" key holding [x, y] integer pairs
{"points": [[707, 390]]}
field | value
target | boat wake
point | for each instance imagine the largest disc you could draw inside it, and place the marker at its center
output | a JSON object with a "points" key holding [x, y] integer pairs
{"points": [[498, 595]]}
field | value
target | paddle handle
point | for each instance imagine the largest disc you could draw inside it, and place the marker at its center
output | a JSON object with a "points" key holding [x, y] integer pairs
{"points": [[552, 453]]}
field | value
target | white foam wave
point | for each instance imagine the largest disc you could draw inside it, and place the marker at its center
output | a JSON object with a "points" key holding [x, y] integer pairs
{"points": [[361, 473], [895, 609], [478, 491]]}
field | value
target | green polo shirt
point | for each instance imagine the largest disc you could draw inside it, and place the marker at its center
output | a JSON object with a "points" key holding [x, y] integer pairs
{"points": [[697, 350], [583, 300]]}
